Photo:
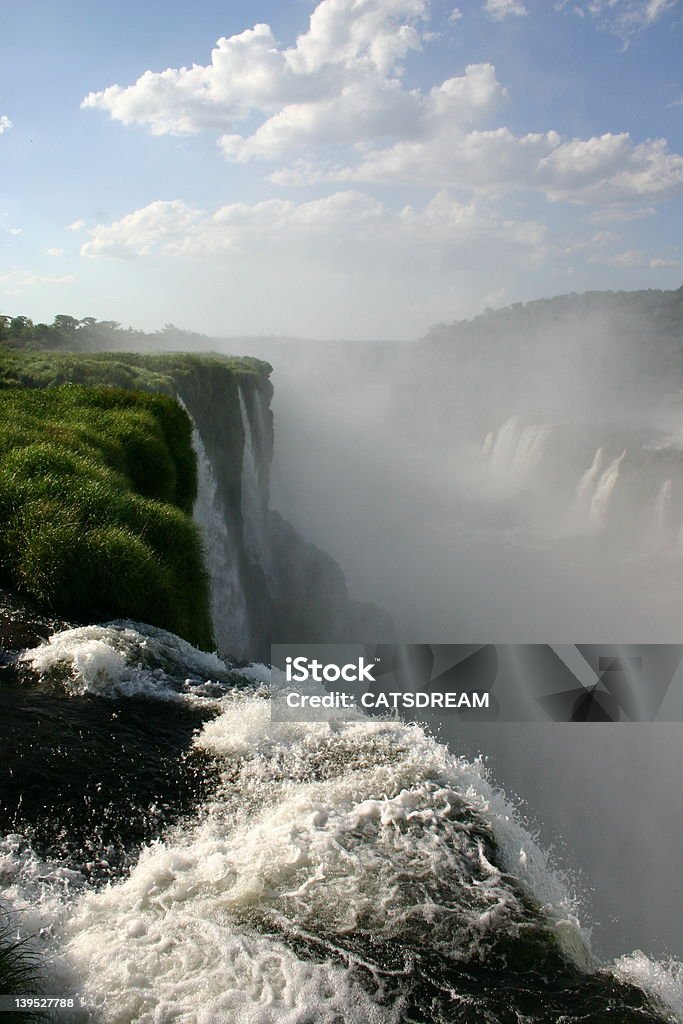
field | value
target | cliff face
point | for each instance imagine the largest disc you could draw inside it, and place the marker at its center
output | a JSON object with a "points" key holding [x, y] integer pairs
{"points": [[268, 585]]}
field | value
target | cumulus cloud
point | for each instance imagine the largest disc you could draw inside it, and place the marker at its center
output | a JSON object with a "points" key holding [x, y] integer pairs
{"points": [[333, 107], [499, 9], [351, 45], [5, 123], [54, 252], [346, 225], [361, 115], [143, 231], [77, 225], [341, 83], [601, 170]]}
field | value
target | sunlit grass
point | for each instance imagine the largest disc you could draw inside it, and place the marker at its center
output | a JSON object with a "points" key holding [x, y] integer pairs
{"points": [[96, 490]]}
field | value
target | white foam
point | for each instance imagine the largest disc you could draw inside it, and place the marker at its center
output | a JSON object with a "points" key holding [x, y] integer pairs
{"points": [[662, 979], [327, 803], [318, 829], [125, 659]]}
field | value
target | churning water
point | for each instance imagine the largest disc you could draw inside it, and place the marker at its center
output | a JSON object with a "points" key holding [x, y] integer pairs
{"points": [[338, 871]]}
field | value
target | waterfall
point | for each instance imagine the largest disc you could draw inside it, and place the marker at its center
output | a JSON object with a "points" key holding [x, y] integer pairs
{"points": [[505, 444], [254, 494], [584, 491], [228, 605], [599, 506], [662, 520], [529, 449], [516, 450]]}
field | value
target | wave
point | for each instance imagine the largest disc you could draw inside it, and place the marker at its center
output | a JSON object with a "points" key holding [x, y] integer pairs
{"points": [[338, 871], [132, 659]]}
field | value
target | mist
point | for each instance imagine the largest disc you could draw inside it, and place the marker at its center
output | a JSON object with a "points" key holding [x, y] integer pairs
{"points": [[516, 480]]}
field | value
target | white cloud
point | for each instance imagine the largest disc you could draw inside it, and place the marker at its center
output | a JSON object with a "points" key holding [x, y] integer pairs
{"points": [[77, 225], [5, 123], [600, 170], [345, 226], [634, 258], [350, 45], [499, 9], [15, 231], [54, 252], [361, 115], [621, 214], [612, 168], [142, 232], [596, 241], [339, 84], [455, 15], [623, 17], [17, 279], [339, 90]]}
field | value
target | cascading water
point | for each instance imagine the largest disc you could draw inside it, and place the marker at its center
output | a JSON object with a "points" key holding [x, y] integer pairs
{"points": [[347, 870], [505, 445], [254, 493], [515, 451], [586, 486], [530, 449], [228, 605], [663, 533], [599, 507]]}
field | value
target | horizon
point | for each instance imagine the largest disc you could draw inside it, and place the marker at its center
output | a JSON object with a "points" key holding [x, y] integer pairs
{"points": [[489, 311]]}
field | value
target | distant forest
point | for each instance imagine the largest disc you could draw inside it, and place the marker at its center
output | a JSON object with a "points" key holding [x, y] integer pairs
{"points": [[662, 310], [660, 313], [90, 335]]}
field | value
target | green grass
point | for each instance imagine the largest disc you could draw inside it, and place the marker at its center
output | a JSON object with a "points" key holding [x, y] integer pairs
{"points": [[20, 971], [97, 486]]}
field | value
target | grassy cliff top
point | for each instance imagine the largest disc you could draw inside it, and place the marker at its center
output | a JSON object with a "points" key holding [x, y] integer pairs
{"points": [[26, 368], [96, 491]]}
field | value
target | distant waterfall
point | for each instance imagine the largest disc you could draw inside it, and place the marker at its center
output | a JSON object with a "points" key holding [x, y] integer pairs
{"points": [[515, 451], [584, 491], [228, 605], [599, 507], [662, 520], [254, 494]]}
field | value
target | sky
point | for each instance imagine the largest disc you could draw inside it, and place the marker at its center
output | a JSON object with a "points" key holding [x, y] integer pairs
{"points": [[351, 168]]}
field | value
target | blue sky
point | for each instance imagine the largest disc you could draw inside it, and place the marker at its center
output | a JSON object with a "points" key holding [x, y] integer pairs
{"points": [[352, 168]]}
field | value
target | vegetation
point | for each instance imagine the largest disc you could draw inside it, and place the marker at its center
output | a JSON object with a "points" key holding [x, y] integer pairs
{"points": [[134, 371], [96, 489], [19, 970], [638, 334], [71, 334]]}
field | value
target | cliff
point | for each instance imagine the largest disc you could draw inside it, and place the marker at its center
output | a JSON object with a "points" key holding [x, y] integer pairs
{"points": [[266, 584]]}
